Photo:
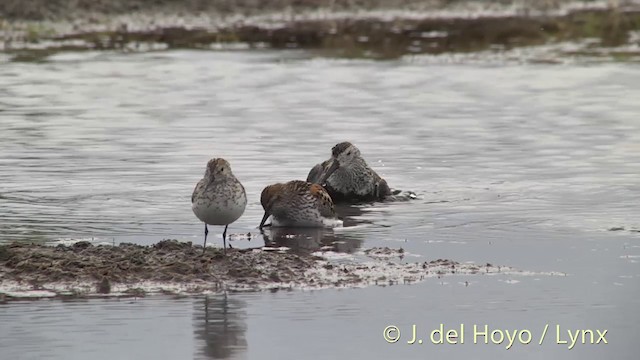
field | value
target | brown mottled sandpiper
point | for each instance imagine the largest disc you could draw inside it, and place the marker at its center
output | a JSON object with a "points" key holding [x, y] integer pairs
{"points": [[219, 198], [347, 176], [298, 204]]}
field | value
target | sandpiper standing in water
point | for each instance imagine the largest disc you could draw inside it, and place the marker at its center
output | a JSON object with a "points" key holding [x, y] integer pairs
{"points": [[298, 204], [219, 198], [347, 176]]}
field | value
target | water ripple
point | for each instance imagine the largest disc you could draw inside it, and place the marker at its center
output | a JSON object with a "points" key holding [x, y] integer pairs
{"points": [[113, 144]]}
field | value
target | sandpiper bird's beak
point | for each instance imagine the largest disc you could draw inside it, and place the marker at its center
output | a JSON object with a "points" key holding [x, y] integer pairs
{"points": [[264, 218], [211, 178], [327, 173]]}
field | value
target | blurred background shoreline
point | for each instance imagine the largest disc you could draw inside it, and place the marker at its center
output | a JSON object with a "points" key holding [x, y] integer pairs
{"points": [[76, 9], [32, 30]]}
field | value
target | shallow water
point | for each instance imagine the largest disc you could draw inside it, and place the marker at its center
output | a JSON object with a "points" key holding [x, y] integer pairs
{"points": [[526, 166]]}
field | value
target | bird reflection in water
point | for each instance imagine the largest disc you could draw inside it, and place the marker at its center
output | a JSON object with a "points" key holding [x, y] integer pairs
{"points": [[219, 323], [305, 240]]}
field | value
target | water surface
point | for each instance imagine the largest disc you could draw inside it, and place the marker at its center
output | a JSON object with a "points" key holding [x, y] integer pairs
{"points": [[526, 166]]}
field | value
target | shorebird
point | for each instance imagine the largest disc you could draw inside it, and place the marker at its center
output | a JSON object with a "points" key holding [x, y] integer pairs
{"points": [[297, 204], [219, 198], [347, 176]]}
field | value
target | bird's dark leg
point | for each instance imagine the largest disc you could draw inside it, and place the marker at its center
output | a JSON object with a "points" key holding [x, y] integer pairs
{"points": [[224, 240], [206, 232]]}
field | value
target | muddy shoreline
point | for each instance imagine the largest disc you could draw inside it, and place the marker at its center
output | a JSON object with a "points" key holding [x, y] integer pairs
{"points": [[369, 33], [180, 268], [167, 261]]}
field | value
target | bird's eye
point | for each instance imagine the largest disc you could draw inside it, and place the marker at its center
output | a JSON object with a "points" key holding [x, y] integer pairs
{"points": [[349, 153]]}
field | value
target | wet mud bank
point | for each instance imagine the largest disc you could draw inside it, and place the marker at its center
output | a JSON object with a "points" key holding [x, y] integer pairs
{"points": [[172, 267], [376, 34]]}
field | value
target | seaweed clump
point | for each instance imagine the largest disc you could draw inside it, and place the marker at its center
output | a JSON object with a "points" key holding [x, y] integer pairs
{"points": [[166, 261]]}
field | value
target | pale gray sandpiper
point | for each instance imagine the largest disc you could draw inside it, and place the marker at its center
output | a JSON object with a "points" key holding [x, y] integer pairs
{"points": [[298, 204], [219, 198], [347, 176]]}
